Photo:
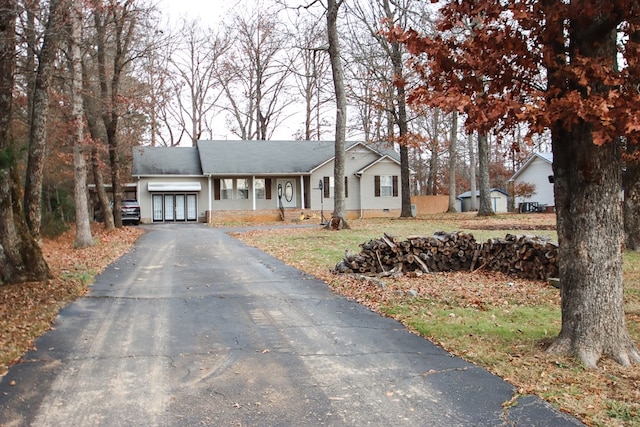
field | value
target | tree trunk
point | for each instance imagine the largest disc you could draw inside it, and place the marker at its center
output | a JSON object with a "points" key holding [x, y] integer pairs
{"points": [[631, 185], [401, 117], [341, 111], [589, 215], [453, 153], [92, 116], [484, 209], [472, 173], [21, 258], [114, 163], [103, 198], [38, 122], [588, 180], [433, 162], [83, 237], [124, 23]]}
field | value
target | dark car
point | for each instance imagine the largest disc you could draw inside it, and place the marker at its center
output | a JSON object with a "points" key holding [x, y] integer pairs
{"points": [[130, 210]]}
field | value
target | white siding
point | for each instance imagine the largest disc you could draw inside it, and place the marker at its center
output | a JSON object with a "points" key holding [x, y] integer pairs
{"points": [[537, 173], [369, 200]]}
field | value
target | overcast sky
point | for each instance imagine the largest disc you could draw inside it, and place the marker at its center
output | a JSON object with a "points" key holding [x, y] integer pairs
{"points": [[209, 11]]}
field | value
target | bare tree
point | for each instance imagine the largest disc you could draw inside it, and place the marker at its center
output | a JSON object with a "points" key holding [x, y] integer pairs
{"points": [[255, 76], [369, 98], [434, 145], [310, 71], [114, 25], [472, 172], [160, 87], [338, 221], [393, 76], [453, 154], [91, 108], [195, 62]]}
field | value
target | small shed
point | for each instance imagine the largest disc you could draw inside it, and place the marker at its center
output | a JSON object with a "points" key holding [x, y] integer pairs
{"points": [[499, 200]]}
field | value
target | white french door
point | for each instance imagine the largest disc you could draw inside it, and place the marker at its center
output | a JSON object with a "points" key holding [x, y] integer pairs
{"points": [[175, 207], [169, 213], [192, 210], [180, 207], [158, 213]]}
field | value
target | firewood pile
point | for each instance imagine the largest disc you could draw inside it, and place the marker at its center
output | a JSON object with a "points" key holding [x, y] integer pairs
{"points": [[529, 257]]}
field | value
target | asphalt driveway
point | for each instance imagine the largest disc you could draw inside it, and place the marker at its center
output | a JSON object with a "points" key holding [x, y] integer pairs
{"points": [[194, 328]]}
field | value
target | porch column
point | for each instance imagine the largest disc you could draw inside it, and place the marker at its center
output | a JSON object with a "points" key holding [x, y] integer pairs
{"points": [[302, 191], [209, 191], [253, 192]]}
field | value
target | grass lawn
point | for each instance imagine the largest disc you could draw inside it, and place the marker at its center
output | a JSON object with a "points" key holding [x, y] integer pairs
{"points": [[499, 322]]}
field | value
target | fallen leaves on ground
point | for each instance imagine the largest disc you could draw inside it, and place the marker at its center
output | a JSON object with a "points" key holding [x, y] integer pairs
{"points": [[27, 310]]}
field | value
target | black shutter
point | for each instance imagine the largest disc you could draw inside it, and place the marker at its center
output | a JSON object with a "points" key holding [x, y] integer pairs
{"points": [[395, 185], [346, 187], [376, 185], [216, 189], [267, 188], [326, 187]]}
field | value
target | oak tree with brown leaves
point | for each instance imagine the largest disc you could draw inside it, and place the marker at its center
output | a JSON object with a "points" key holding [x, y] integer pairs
{"points": [[553, 66], [21, 258]]}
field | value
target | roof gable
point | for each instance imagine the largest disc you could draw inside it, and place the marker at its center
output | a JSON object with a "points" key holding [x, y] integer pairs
{"points": [[546, 157]]}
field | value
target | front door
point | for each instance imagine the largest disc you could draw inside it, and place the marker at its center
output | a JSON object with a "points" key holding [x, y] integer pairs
{"points": [[286, 193]]}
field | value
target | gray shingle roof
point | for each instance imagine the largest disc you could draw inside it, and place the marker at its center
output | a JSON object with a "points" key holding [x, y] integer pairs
{"points": [[467, 194], [265, 157], [239, 158], [166, 161]]}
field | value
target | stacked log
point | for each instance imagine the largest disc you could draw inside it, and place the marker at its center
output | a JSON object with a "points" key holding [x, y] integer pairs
{"points": [[440, 252], [531, 257]]}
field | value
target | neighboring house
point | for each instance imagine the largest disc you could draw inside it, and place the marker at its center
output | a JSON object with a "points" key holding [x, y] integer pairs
{"points": [[537, 170], [255, 179], [499, 200]]}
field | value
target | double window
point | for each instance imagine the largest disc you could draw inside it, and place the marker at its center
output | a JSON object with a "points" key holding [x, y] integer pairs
{"points": [[328, 187], [229, 188], [385, 185]]}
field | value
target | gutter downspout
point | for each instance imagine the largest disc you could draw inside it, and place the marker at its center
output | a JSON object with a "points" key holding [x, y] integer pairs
{"points": [[360, 194]]}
